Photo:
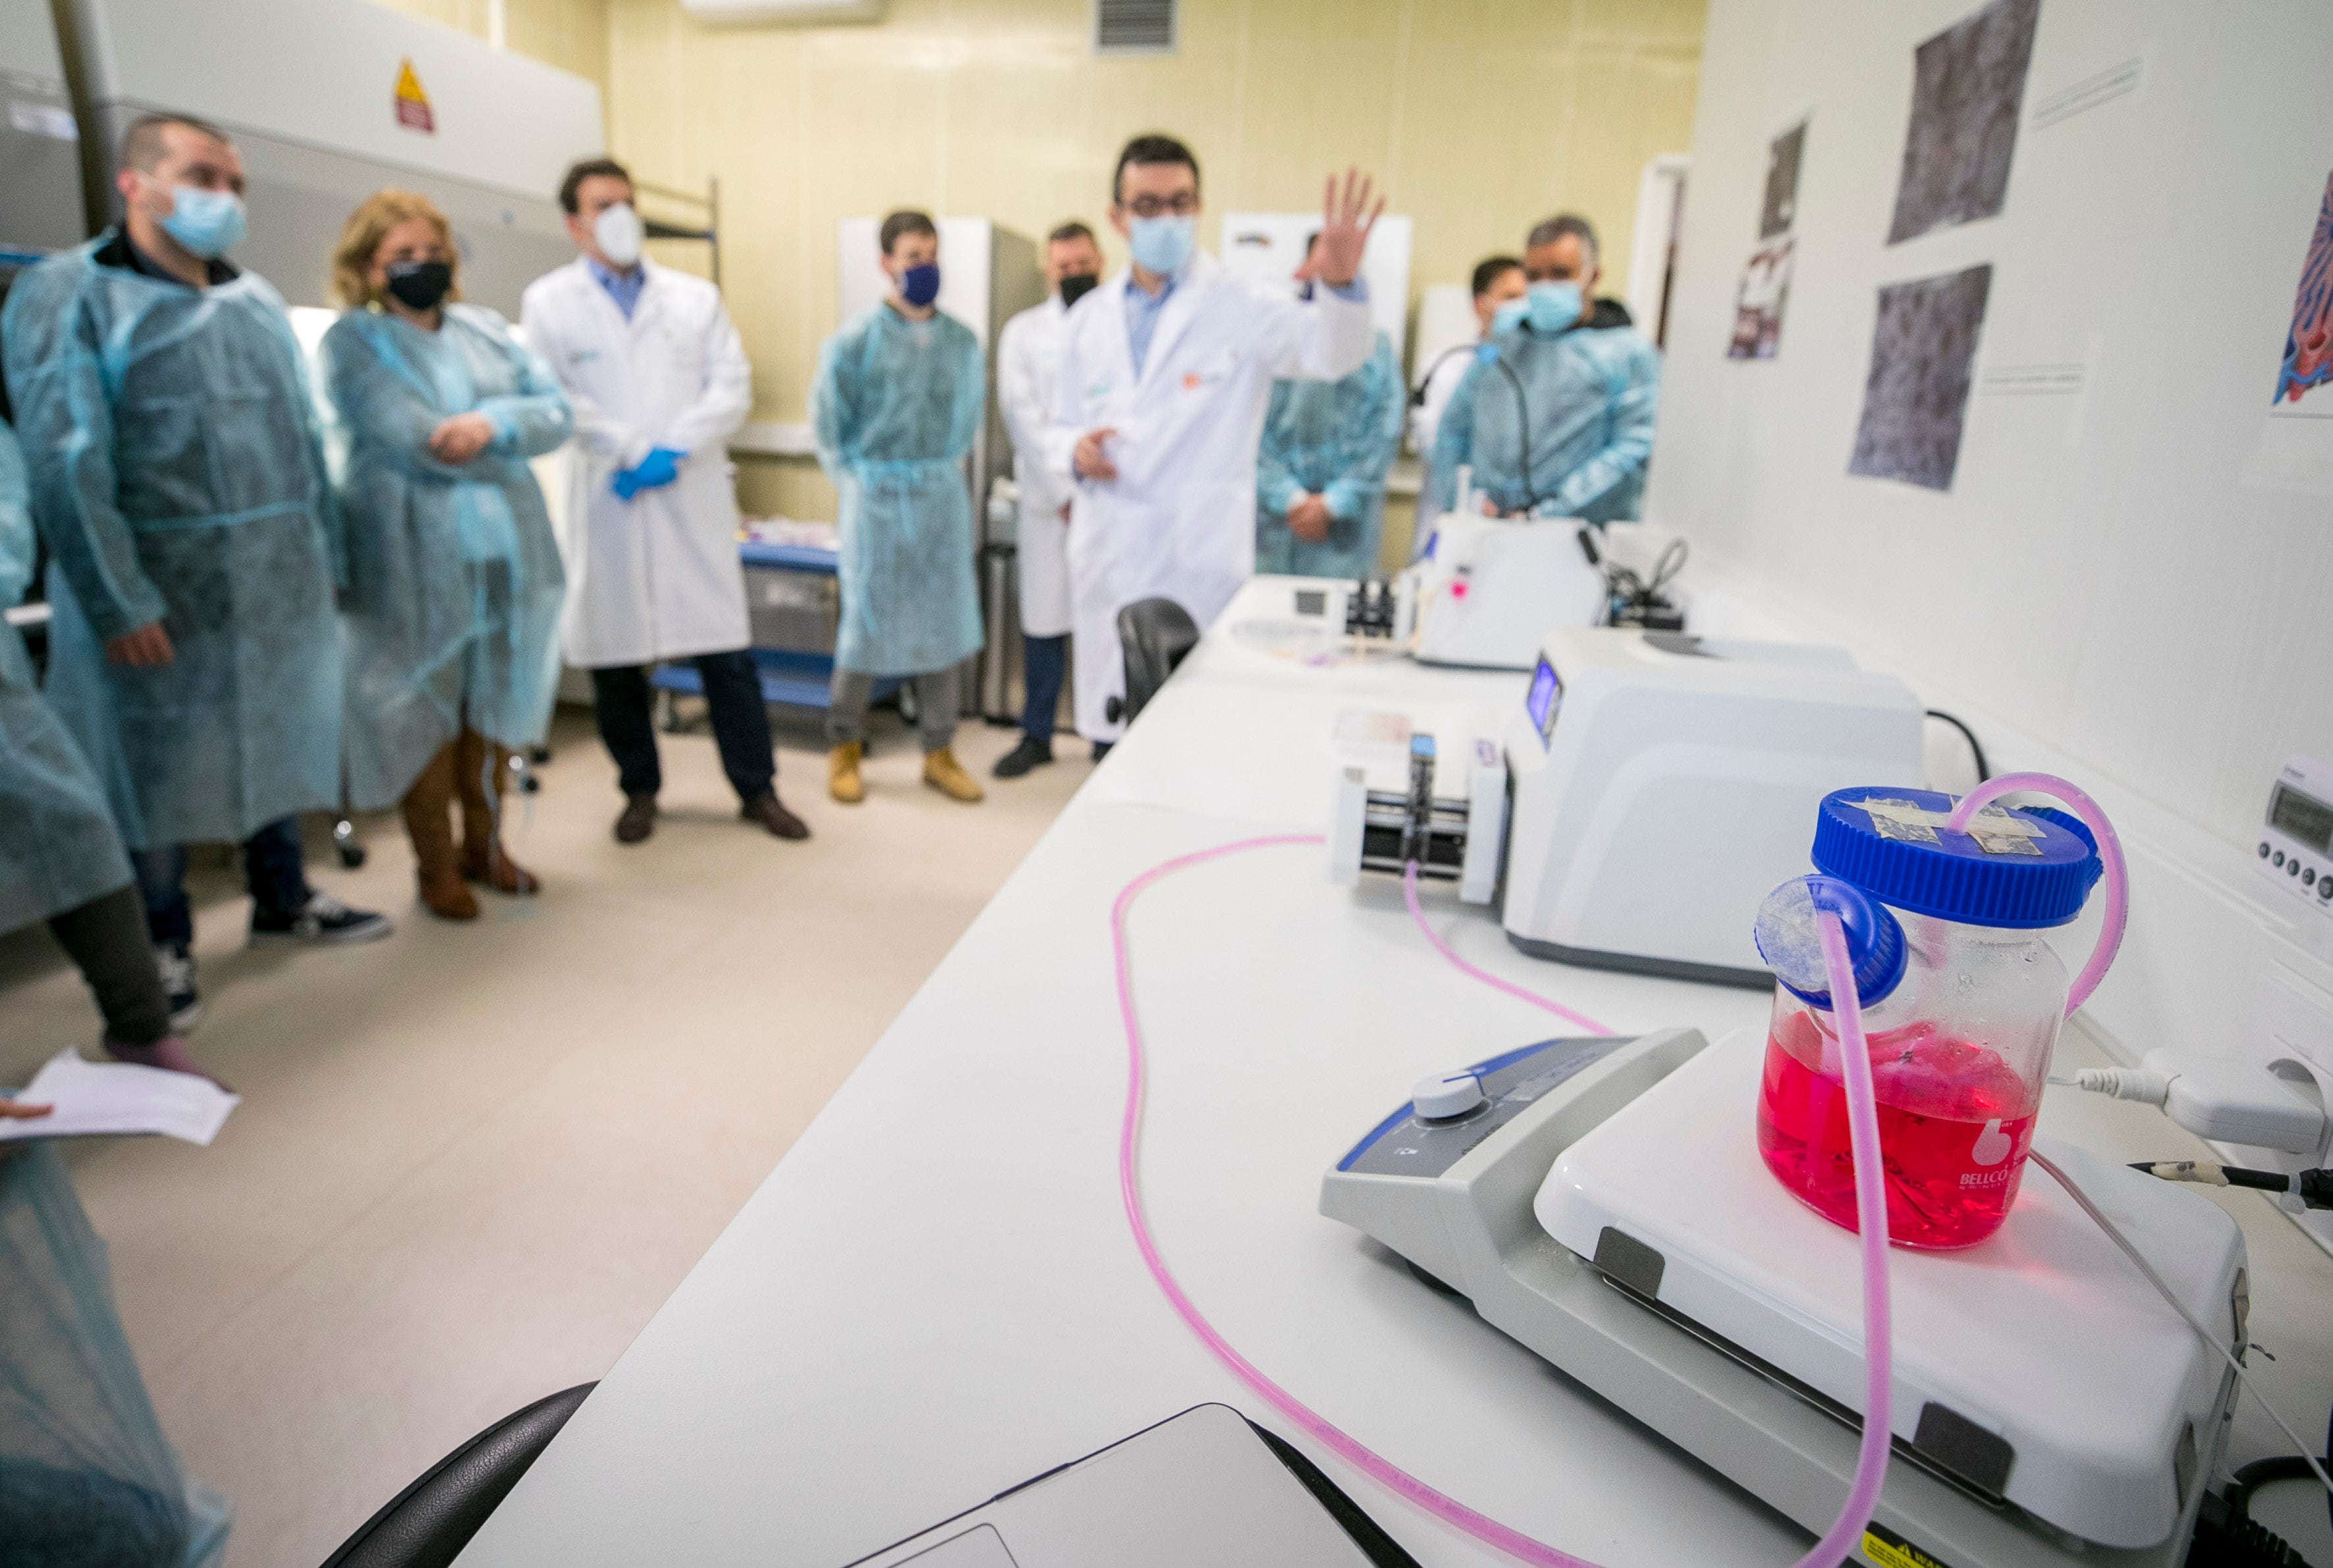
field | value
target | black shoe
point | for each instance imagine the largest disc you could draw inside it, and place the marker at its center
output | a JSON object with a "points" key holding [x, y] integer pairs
{"points": [[1031, 752], [175, 966], [323, 920], [1102, 748], [780, 822], [638, 820]]}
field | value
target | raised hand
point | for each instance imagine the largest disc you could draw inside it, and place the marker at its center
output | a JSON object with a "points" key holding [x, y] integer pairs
{"points": [[1345, 219]]}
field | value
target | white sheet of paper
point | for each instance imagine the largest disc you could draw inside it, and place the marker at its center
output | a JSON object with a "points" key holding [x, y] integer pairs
{"points": [[118, 1097]]}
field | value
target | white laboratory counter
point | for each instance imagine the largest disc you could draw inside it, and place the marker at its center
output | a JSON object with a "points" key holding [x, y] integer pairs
{"points": [[933, 1296]]}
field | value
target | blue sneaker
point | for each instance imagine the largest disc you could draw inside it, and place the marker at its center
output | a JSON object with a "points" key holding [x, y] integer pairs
{"points": [[322, 920]]}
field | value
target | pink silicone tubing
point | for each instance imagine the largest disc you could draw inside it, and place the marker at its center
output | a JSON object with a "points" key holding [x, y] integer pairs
{"points": [[1871, 1212], [2117, 914]]}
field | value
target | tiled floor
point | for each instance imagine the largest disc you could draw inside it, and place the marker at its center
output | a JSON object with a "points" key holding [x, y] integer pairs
{"points": [[471, 1161]]}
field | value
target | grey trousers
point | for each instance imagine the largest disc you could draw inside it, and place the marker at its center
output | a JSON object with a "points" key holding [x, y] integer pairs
{"points": [[853, 690]]}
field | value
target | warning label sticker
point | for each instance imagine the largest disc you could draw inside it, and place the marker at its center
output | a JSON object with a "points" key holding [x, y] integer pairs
{"points": [[1885, 1548]]}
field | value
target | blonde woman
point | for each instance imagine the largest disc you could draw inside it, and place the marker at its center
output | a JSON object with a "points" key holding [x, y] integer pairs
{"points": [[455, 582]]}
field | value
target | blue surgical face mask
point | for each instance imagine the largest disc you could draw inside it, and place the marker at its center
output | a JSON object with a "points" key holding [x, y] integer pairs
{"points": [[1510, 316], [1554, 306], [1162, 244], [919, 286], [208, 222]]}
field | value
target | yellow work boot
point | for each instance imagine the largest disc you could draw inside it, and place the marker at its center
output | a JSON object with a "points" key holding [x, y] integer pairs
{"points": [[842, 780], [944, 773]]}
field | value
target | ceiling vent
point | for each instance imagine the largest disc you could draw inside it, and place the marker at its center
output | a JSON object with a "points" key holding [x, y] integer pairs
{"points": [[1134, 27]]}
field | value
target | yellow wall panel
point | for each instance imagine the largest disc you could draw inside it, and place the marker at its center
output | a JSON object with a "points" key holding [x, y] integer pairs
{"points": [[1479, 116]]}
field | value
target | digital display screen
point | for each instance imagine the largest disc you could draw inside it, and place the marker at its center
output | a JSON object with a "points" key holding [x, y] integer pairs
{"points": [[2295, 815], [1545, 699]]}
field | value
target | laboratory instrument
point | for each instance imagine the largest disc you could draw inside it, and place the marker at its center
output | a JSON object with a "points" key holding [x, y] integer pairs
{"points": [[1652, 788], [1485, 590], [2296, 844], [1601, 1201], [1960, 995], [381, 99]]}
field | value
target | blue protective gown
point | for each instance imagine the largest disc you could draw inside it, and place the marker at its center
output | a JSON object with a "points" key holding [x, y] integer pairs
{"points": [[58, 846], [897, 405], [455, 582], [178, 475], [1336, 440], [1592, 394]]}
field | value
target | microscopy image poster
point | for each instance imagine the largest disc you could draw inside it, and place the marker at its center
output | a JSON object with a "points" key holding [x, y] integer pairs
{"points": [[1783, 155], [2304, 380], [1968, 86], [1915, 396], [1758, 307]]}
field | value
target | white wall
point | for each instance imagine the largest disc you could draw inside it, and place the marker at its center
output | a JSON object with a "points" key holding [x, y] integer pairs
{"points": [[2102, 591]]}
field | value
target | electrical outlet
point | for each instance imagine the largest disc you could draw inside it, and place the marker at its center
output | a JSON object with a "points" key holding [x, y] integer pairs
{"points": [[2295, 1019]]}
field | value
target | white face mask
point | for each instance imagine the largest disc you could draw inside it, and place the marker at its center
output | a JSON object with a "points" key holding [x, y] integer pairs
{"points": [[617, 232]]}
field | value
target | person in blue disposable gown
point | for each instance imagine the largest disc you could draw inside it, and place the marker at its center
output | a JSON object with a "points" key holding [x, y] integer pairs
{"points": [[897, 405], [61, 860], [455, 582], [178, 476], [1321, 468], [1554, 382]]}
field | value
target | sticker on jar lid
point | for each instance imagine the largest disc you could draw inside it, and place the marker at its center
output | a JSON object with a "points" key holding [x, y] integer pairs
{"points": [[1994, 830]]}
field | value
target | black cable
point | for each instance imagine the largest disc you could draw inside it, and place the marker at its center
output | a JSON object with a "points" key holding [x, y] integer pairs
{"points": [[2249, 1478], [1984, 770], [1417, 397], [1522, 432]]}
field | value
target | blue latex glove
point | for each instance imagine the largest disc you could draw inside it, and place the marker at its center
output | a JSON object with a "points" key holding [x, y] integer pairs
{"points": [[661, 467]]}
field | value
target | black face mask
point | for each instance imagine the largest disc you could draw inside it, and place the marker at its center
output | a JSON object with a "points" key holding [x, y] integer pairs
{"points": [[419, 285], [1076, 286]]}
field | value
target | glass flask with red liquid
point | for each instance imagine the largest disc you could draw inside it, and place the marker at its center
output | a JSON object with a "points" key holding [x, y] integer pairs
{"points": [[1961, 996]]}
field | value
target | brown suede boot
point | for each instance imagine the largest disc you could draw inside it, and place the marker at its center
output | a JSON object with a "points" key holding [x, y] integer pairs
{"points": [[483, 859], [428, 822]]}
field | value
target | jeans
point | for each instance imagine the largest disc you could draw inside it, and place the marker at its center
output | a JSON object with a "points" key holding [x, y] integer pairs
{"points": [[851, 690], [273, 869], [741, 724], [108, 940], [1044, 662]]}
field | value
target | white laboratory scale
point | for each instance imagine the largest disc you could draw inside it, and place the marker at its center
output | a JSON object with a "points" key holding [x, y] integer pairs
{"points": [[1650, 788], [1603, 1202]]}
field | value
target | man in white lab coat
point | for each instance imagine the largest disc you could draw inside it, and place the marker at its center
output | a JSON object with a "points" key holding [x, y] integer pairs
{"points": [[1028, 353], [1166, 370], [658, 379]]}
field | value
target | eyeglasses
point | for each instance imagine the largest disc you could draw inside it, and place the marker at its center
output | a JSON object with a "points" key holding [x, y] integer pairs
{"points": [[1181, 205]]}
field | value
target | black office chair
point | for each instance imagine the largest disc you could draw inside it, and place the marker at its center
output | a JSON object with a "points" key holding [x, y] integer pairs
{"points": [[426, 1524], [1156, 635]]}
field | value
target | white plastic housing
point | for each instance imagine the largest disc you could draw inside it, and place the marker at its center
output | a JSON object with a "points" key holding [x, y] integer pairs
{"points": [[1349, 806], [1486, 825], [1674, 790], [1493, 587], [2235, 1102], [2042, 1335]]}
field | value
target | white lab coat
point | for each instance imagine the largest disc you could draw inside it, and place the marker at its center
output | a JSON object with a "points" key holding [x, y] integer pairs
{"points": [[656, 577], [1028, 356], [1178, 522]]}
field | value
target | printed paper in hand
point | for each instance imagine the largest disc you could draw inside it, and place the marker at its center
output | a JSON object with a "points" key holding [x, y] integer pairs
{"points": [[117, 1097]]}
